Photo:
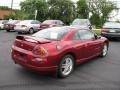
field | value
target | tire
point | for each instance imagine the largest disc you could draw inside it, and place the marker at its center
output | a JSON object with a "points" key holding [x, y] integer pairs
{"points": [[31, 31], [104, 50], [19, 32], [65, 70], [7, 30]]}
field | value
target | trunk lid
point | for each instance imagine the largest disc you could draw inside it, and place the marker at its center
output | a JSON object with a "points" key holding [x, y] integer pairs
{"points": [[29, 42]]}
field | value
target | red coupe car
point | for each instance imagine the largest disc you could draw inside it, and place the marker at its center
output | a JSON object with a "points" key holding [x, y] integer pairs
{"points": [[58, 49]]}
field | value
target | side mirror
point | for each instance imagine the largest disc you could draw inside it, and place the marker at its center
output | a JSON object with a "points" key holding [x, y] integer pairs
{"points": [[97, 37]]}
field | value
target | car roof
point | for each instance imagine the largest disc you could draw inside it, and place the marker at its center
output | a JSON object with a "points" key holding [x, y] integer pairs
{"points": [[52, 20], [72, 28], [79, 27], [82, 19]]}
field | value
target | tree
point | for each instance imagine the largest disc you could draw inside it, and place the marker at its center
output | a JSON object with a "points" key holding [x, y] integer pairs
{"points": [[4, 8], [11, 16], [82, 9], [29, 6], [102, 8], [61, 9], [96, 20]]}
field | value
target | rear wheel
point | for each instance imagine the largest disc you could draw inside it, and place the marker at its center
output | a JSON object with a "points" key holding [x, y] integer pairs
{"points": [[104, 50], [19, 32], [66, 66], [31, 31]]}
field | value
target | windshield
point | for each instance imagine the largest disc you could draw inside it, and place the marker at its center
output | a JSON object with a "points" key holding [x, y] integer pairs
{"points": [[3, 21], [79, 22], [56, 33]]}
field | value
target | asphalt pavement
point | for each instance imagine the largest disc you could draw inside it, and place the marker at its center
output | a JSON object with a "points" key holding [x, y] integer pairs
{"points": [[96, 74]]}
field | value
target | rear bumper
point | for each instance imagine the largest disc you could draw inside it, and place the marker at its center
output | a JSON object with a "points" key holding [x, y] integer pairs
{"points": [[28, 61], [111, 35], [35, 68], [9, 28]]}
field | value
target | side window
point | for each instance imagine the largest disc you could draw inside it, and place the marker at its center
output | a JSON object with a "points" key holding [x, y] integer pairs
{"points": [[35, 22], [76, 36], [32, 22], [61, 23], [55, 22], [86, 35]]}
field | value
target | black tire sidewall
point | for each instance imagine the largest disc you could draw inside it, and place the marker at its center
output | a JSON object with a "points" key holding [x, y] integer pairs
{"points": [[30, 31], [8, 30], [102, 50]]}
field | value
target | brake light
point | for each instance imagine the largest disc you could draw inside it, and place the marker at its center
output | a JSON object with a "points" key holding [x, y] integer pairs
{"points": [[23, 26], [104, 30], [40, 51]]}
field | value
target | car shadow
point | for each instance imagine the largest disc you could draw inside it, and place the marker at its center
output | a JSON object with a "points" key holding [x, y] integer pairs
{"points": [[38, 79]]}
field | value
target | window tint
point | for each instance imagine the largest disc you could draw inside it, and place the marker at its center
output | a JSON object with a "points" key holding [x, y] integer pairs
{"points": [[61, 23], [55, 33], [84, 35], [76, 36], [35, 22]]}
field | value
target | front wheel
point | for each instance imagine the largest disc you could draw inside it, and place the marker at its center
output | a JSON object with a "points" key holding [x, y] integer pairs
{"points": [[104, 50], [66, 66]]}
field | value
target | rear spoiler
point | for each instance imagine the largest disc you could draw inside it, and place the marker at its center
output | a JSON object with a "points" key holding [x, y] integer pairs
{"points": [[30, 38], [24, 38]]}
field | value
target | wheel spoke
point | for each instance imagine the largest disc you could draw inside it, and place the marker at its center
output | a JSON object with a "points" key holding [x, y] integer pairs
{"points": [[67, 66]]}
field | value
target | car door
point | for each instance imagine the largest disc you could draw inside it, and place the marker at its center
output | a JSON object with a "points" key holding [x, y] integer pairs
{"points": [[79, 47], [36, 25], [91, 43]]}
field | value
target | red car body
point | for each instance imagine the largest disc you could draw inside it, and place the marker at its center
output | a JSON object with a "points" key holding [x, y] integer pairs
{"points": [[24, 50]]}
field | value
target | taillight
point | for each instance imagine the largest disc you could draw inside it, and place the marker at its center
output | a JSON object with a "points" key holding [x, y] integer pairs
{"points": [[40, 51], [103, 30], [23, 26]]}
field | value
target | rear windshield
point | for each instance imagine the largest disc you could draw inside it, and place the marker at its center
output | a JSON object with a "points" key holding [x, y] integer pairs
{"points": [[55, 33], [13, 22], [49, 21]]}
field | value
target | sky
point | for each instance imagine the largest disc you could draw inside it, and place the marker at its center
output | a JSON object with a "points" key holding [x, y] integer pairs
{"points": [[17, 2]]}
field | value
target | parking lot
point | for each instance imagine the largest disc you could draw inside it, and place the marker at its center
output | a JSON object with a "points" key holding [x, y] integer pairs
{"points": [[96, 74]]}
